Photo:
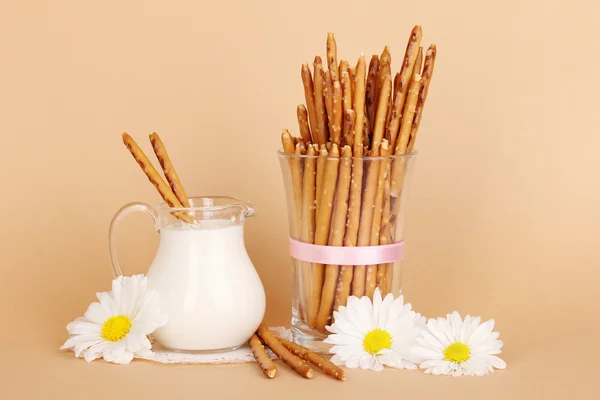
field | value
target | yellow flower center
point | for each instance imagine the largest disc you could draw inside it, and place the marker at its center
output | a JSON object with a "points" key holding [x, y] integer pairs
{"points": [[376, 340], [115, 328], [457, 352]]}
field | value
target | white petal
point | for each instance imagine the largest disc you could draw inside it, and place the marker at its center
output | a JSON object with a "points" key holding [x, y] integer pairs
{"points": [[428, 353], [497, 362], [82, 327], [481, 333], [96, 313], [437, 331], [95, 351], [367, 362]]}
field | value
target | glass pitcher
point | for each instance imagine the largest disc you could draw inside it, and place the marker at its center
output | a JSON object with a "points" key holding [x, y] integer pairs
{"points": [[207, 284]]}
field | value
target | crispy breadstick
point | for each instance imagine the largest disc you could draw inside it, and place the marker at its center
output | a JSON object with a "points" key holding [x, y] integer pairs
{"points": [[296, 172], [352, 73], [366, 135], [384, 236], [262, 358], [336, 237], [348, 135], [370, 190], [170, 174], [320, 111], [418, 62], [302, 115], [328, 93], [346, 82], [382, 111], [371, 90], [336, 126], [408, 115], [332, 63], [296, 363], [372, 278], [154, 177], [401, 90], [396, 83], [385, 69], [307, 233], [307, 82], [427, 74], [323, 224], [322, 363], [320, 176], [359, 101]]}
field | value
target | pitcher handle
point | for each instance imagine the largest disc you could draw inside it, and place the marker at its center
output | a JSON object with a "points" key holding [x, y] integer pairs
{"points": [[122, 213]]}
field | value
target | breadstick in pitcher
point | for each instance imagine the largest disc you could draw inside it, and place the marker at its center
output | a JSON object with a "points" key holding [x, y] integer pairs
{"points": [[371, 89], [359, 102], [328, 93], [408, 115], [336, 125], [370, 191], [336, 237], [348, 135], [154, 177], [267, 366], [296, 363], [302, 115], [332, 63], [323, 223], [346, 83], [322, 363], [427, 74], [307, 82], [320, 110], [308, 230], [406, 71], [375, 274], [170, 174], [323, 153]]}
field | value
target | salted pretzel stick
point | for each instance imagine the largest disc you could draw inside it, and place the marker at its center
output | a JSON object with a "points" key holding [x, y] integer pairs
{"points": [[370, 190], [328, 93], [320, 111], [379, 125], [307, 233], [352, 73], [408, 115], [336, 237], [373, 271], [302, 115], [348, 136], [296, 171], [170, 174], [295, 362], [320, 176], [418, 62], [324, 222], [332, 63], [346, 82], [267, 366], [359, 101], [307, 82], [400, 92], [322, 363], [427, 74], [396, 83], [154, 177], [371, 90], [336, 126]]}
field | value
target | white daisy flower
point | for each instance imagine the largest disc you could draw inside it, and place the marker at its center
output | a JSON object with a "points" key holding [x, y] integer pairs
{"points": [[451, 346], [116, 327], [371, 335]]}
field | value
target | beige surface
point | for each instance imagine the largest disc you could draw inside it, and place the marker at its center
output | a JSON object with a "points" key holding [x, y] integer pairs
{"points": [[503, 220]]}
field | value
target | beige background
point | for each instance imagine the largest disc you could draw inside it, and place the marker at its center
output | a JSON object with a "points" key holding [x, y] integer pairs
{"points": [[503, 220]]}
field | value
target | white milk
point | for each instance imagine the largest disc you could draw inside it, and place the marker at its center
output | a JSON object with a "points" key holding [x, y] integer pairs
{"points": [[208, 287]]}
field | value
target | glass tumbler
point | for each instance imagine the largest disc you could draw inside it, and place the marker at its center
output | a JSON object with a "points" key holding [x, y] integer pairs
{"points": [[346, 227]]}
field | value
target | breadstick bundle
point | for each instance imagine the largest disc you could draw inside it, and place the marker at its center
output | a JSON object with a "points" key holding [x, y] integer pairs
{"points": [[346, 171], [300, 359]]}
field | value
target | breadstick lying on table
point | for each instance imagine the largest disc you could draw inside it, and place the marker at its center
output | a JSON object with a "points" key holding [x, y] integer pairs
{"points": [[154, 177], [267, 365], [295, 362], [322, 363], [168, 169]]}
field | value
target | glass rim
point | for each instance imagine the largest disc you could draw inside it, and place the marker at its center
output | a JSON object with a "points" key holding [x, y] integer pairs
{"points": [[282, 153], [233, 202]]}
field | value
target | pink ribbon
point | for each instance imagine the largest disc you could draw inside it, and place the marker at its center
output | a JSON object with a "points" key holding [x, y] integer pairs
{"points": [[338, 255]]}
